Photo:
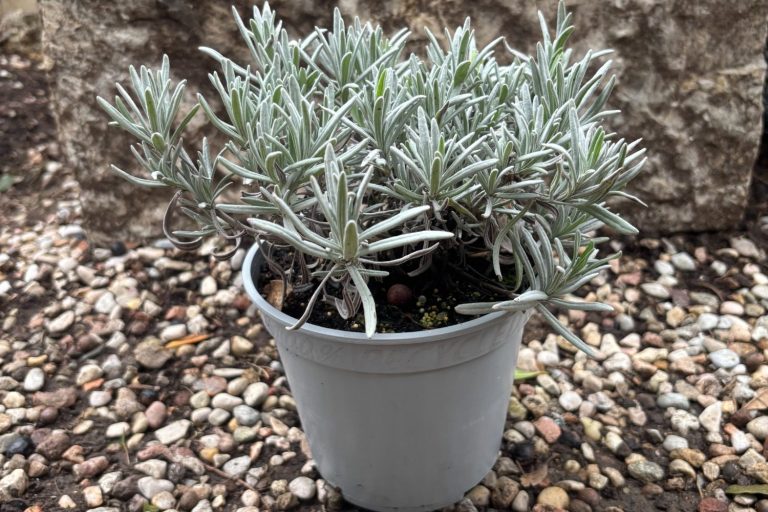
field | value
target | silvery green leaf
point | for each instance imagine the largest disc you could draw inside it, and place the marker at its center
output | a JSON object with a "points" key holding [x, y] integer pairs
{"points": [[405, 239], [475, 308], [525, 300], [369, 305]]}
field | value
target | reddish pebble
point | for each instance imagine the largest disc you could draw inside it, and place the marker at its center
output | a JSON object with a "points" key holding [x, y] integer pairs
{"points": [[399, 295], [215, 385], [181, 397], [153, 451], [156, 413], [176, 313], [91, 467], [548, 429], [712, 505]]}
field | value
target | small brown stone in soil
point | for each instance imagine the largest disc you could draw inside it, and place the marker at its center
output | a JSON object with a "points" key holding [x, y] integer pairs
{"points": [[399, 295]]}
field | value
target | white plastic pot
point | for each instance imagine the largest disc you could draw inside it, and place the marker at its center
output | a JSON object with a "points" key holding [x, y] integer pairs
{"points": [[405, 422]]}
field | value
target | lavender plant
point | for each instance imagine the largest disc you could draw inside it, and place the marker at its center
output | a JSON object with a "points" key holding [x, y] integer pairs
{"points": [[359, 160]]}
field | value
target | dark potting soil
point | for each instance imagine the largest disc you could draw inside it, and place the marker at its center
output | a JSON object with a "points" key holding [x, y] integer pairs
{"points": [[403, 303]]}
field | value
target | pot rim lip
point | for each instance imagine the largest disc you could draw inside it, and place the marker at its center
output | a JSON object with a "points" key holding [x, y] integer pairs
{"points": [[400, 338]]}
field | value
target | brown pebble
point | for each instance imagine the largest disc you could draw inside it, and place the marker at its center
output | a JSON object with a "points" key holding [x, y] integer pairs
{"points": [[37, 468], [741, 417], [90, 467], [86, 342], [53, 445], [48, 415], [753, 361], [188, 500], [399, 295], [153, 451], [61, 398], [181, 397], [74, 454], [589, 496], [652, 339], [652, 489], [579, 506]]}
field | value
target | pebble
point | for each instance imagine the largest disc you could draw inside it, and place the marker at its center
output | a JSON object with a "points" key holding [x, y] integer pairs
{"points": [[303, 488], [106, 303], [208, 286], [149, 486], [673, 442], [713, 505], [164, 500], [238, 466], [664, 268], [758, 427], [554, 497], [246, 415], [684, 261], [548, 429], [200, 399], [241, 346], [255, 394], [66, 502], [154, 467], [676, 400], [724, 358], [655, 290], [218, 417], [61, 323], [156, 414], [712, 416], [173, 431], [173, 332], [570, 400], [645, 471], [522, 501], [99, 398], [151, 354], [34, 380], [745, 247], [93, 497], [681, 467], [91, 467], [226, 401], [118, 430], [14, 484]]}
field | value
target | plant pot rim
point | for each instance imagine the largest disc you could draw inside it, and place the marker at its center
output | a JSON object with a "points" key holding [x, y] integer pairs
{"points": [[401, 338]]}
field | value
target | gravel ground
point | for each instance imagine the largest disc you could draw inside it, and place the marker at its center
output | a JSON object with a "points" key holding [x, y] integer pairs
{"points": [[139, 378]]}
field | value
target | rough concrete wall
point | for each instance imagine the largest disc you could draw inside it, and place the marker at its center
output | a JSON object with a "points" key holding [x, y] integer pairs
{"points": [[690, 75], [690, 79], [92, 43], [25, 6]]}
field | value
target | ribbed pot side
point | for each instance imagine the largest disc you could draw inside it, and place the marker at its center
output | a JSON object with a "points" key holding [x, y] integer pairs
{"points": [[406, 421]]}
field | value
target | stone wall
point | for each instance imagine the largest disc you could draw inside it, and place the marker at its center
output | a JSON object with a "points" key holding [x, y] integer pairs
{"points": [[690, 75]]}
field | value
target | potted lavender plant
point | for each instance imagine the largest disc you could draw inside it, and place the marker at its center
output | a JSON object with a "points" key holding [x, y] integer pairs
{"points": [[407, 216]]}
